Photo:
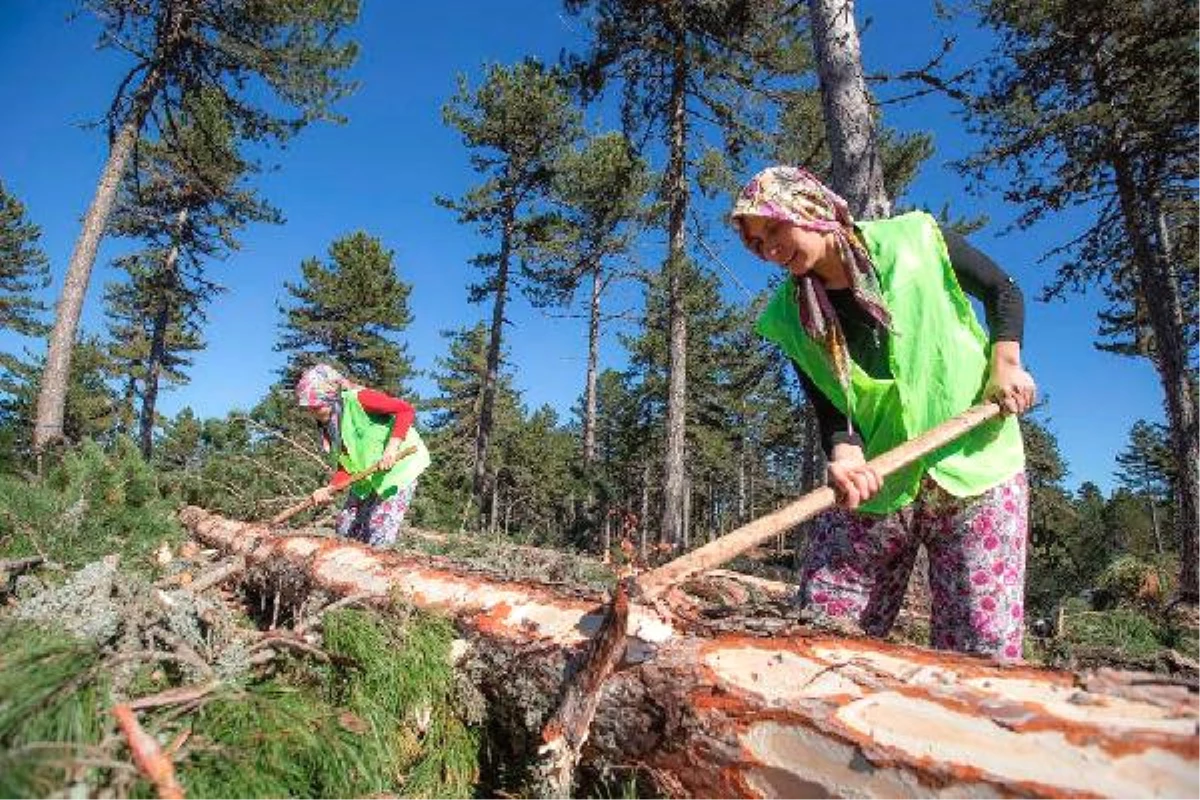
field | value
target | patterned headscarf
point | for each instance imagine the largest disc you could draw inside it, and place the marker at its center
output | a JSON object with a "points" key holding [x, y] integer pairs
{"points": [[321, 387], [795, 195]]}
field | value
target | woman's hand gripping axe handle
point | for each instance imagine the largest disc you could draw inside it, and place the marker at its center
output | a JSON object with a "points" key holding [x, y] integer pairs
{"points": [[654, 583], [307, 503], [566, 733]]}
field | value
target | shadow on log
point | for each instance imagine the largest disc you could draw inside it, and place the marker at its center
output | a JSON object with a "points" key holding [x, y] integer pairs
{"points": [[799, 713]]}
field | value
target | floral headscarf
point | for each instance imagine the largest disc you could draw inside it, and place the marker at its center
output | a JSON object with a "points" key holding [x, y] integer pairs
{"points": [[321, 387], [795, 195]]}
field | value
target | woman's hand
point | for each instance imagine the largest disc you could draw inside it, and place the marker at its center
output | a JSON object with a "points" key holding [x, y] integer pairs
{"points": [[854, 480], [322, 496], [1009, 384], [391, 454]]}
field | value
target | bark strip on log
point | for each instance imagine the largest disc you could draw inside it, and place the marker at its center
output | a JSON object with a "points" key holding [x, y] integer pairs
{"points": [[802, 714]]}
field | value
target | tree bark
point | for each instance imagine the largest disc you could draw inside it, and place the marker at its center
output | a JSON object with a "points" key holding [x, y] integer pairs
{"points": [[671, 532], [857, 168], [487, 403], [765, 706], [589, 407], [52, 394], [168, 282], [1159, 284]]}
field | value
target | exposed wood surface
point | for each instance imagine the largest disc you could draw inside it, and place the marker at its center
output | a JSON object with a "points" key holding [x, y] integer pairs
{"points": [[709, 710]]}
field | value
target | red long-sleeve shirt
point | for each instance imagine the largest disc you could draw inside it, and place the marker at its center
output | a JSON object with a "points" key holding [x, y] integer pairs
{"points": [[374, 402]]}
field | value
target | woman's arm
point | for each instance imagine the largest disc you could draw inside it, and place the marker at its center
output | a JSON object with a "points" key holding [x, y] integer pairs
{"points": [[1004, 306], [374, 402]]}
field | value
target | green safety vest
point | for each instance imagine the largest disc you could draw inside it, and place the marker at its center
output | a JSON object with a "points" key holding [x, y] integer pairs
{"points": [[939, 360], [364, 438]]}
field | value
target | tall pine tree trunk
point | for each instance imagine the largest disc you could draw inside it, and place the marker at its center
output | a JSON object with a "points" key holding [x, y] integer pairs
{"points": [[176, 18], [857, 170], [677, 199], [488, 402], [1158, 285], [1181, 408], [644, 517], [589, 414], [168, 284], [743, 456], [52, 394]]}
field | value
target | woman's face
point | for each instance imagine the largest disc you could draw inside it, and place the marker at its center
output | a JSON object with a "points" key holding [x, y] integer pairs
{"points": [[797, 250], [320, 413]]}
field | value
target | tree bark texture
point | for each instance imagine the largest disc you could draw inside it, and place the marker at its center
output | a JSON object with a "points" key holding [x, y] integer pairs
{"points": [[168, 284], [857, 168], [674, 467], [52, 394], [589, 415], [766, 706], [487, 403], [1159, 284], [176, 18]]}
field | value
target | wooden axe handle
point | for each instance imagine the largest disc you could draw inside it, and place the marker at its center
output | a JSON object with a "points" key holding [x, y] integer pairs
{"points": [[653, 583], [307, 503]]}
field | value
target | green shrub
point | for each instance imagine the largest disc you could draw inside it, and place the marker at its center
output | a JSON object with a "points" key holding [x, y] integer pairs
{"points": [[92, 503], [1125, 631]]}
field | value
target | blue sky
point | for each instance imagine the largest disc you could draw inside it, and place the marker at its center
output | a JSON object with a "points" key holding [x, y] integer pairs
{"points": [[381, 171]]}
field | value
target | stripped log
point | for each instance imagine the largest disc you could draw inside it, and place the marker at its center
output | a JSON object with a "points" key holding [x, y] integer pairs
{"points": [[799, 713]]}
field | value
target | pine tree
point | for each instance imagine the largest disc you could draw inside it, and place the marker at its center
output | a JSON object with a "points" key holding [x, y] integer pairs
{"points": [[1145, 469], [1096, 103], [535, 482], [685, 69], [516, 124], [347, 312], [856, 158], [599, 190], [91, 410], [455, 419], [149, 338], [278, 67], [1053, 571], [23, 270], [186, 200]]}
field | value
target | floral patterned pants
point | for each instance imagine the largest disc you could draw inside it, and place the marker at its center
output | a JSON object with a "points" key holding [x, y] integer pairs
{"points": [[858, 565], [373, 519]]}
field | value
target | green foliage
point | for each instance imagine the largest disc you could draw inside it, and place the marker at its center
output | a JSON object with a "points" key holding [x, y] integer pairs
{"points": [[290, 53], [1132, 581], [1145, 464], [247, 465], [23, 271], [53, 706], [397, 689], [95, 502], [1122, 631], [516, 124], [347, 313], [91, 411], [184, 200], [387, 724]]}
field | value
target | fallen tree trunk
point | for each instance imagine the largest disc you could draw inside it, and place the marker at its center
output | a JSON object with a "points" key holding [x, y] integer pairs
{"points": [[712, 711]]}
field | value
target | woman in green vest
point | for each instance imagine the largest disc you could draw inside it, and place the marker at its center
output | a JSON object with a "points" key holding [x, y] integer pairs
{"points": [[367, 428], [875, 316]]}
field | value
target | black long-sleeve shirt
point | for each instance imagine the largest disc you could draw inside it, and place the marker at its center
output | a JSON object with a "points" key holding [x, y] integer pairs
{"points": [[978, 275]]}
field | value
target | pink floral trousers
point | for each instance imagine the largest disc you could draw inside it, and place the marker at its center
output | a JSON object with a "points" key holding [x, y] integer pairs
{"points": [[373, 519], [858, 565]]}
